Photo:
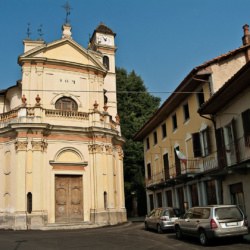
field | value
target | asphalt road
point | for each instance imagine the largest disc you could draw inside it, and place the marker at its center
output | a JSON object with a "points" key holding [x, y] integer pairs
{"points": [[128, 236]]}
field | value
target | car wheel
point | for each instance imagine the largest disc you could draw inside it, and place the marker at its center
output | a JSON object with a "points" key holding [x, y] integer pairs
{"points": [[203, 238], [146, 225], [178, 233], [159, 230]]}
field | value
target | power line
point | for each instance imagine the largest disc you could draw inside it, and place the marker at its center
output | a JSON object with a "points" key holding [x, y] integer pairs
{"points": [[118, 92]]}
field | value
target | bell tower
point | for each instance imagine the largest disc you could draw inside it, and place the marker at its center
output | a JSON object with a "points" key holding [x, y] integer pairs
{"points": [[103, 41]]}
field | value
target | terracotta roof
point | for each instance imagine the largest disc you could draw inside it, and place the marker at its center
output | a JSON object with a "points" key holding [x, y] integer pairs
{"points": [[223, 56], [104, 29]]}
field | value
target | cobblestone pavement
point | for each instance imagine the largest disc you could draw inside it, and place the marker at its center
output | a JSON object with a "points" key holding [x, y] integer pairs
{"points": [[130, 236]]}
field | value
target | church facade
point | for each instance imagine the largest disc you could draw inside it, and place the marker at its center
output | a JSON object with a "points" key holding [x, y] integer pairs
{"points": [[60, 136]]}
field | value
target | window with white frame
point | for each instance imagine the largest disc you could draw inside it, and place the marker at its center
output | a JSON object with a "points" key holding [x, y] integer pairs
{"points": [[201, 143], [155, 137], [186, 112], [164, 130], [174, 122], [200, 98]]}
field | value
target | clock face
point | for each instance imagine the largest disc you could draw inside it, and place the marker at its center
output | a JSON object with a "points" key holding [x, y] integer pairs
{"points": [[102, 39]]}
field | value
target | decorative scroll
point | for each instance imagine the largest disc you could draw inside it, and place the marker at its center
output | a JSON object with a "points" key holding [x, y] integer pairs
{"points": [[95, 148], [39, 146], [21, 145]]}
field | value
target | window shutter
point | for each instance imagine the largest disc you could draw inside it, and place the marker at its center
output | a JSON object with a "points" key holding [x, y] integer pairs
{"points": [[149, 170], [221, 153], [166, 166], [246, 126], [208, 141], [236, 146], [196, 144]]}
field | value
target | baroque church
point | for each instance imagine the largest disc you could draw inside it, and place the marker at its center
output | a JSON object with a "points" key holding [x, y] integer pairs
{"points": [[60, 136]]}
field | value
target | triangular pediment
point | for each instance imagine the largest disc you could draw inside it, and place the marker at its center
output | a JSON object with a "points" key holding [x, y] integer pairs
{"points": [[64, 50]]}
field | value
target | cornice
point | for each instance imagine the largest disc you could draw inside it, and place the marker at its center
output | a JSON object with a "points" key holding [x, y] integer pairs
{"points": [[105, 47], [65, 65]]}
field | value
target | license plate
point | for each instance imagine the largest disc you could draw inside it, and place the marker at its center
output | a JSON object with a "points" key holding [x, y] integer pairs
{"points": [[230, 224]]}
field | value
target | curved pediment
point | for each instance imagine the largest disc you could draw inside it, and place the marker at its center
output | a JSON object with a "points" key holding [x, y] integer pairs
{"points": [[63, 50]]}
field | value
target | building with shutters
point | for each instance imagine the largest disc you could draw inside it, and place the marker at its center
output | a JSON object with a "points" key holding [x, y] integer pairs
{"points": [[176, 127], [60, 137], [229, 108]]}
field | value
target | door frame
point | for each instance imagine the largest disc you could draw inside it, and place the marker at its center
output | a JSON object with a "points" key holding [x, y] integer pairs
{"points": [[85, 200]]}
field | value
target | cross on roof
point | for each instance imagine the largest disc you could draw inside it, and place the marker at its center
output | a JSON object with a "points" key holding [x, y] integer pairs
{"points": [[67, 8]]}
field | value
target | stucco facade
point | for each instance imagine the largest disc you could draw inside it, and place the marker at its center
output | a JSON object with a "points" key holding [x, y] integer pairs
{"points": [[60, 136]]}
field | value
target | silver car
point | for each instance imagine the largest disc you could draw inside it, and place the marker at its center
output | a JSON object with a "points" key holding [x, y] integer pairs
{"points": [[213, 221], [162, 218]]}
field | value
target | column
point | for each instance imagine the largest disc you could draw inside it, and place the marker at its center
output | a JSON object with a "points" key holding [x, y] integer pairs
{"points": [[20, 188]]}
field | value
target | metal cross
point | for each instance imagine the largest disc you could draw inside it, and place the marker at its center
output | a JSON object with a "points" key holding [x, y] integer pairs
{"points": [[28, 30], [67, 8], [40, 31]]}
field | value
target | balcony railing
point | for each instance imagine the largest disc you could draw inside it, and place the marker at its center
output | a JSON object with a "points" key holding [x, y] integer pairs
{"points": [[233, 154], [38, 114], [66, 114], [8, 115]]}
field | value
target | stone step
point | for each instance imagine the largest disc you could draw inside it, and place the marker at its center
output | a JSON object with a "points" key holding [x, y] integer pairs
{"points": [[69, 225]]}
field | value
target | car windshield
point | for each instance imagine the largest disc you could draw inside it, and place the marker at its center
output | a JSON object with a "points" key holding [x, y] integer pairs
{"points": [[175, 213], [228, 213]]}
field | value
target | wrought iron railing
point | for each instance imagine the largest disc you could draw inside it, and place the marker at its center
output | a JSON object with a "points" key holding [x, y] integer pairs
{"points": [[233, 154]]}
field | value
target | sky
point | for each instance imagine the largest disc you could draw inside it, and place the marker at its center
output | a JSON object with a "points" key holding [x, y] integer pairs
{"points": [[162, 40]]}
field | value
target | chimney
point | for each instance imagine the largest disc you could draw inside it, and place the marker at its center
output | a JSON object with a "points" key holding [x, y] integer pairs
{"points": [[246, 37]]}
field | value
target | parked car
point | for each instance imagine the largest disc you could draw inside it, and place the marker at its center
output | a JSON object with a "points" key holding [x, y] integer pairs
{"points": [[162, 218], [213, 221]]}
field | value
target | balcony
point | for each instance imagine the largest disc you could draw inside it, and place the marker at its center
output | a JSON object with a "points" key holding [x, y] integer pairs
{"points": [[38, 114], [234, 157]]}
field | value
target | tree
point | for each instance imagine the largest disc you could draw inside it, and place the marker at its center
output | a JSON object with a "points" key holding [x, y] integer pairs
{"points": [[135, 107]]}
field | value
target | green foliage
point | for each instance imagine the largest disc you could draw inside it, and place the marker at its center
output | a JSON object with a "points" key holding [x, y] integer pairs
{"points": [[135, 107]]}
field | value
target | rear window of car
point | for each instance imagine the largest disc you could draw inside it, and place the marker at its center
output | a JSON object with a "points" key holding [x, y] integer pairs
{"points": [[175, 213], [228, 213]]}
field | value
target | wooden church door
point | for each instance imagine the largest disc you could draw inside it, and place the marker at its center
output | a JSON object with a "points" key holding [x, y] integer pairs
{"points": [[68, 198]]}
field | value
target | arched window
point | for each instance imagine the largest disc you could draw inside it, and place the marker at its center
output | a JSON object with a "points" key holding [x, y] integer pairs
{"points": [[66, 103], [106, 62]]}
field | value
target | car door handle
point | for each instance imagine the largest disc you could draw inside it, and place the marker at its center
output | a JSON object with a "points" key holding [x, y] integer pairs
{"points": [[197, 221]]}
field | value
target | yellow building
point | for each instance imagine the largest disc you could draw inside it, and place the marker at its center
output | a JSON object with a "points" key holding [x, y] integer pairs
{"points": [[60, 137], [177, 125]]}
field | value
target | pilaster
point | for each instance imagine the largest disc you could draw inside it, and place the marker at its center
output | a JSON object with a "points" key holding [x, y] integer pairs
{"points": [[20, 193], [110, 174]]}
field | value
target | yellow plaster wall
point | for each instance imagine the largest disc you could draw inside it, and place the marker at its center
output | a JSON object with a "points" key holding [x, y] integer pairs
{"points": [[29, 172], [180, 137], [67, 53]]}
